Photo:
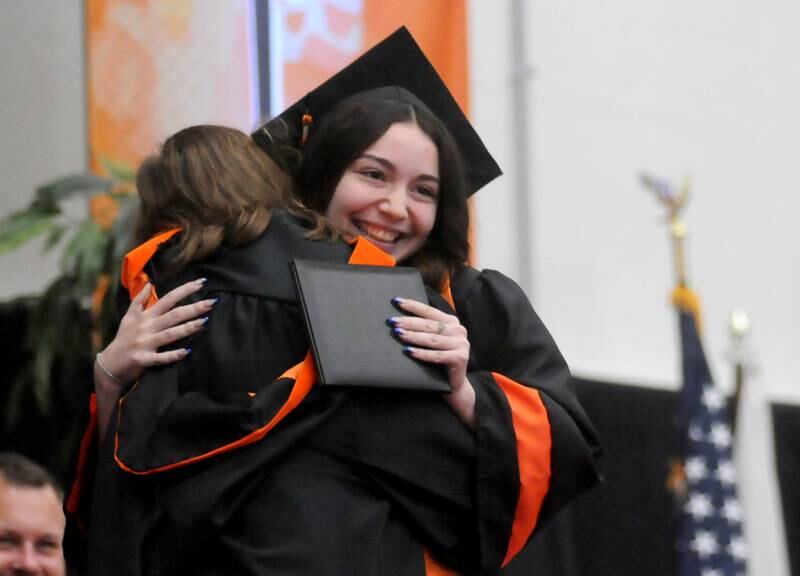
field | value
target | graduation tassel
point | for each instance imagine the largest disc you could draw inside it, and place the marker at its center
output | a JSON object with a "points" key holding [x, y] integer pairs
{"points": [[308, 120]]}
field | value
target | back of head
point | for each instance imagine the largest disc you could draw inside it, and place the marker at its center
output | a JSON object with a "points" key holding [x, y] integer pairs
{"points": [[215, 184]]}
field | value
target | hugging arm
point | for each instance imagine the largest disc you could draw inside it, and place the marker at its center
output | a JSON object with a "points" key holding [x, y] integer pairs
{"points": [[141, 334]]}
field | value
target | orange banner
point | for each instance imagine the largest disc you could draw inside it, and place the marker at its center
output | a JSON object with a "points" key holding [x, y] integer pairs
{"points": [[156, 67], [316, 39]]}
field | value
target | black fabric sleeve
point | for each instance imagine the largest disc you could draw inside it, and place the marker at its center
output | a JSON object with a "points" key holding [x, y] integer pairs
{"points": [[227, 387], [507, 337]]}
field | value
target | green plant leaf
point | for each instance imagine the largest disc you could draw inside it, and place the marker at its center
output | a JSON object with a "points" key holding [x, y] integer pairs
{"points": [[51, 194], [54, 237], [22, 226], [118, 170], [85, 252]]}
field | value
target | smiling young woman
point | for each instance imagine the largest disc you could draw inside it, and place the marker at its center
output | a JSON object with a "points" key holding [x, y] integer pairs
{"points": [[390, 193]]}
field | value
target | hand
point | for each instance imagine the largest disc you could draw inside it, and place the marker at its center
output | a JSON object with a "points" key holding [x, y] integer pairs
{"points": [[433, 336], [143, 331]]}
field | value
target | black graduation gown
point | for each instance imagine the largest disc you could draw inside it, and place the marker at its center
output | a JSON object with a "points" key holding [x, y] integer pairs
{"points": [[347, 482]]}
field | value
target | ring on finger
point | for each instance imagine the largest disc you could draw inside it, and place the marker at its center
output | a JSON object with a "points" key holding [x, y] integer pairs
{"points": [[440, 328]]}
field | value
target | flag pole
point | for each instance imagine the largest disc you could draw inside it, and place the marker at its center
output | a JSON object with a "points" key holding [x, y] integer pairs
{"points": [[674, 201], [739, 326]]}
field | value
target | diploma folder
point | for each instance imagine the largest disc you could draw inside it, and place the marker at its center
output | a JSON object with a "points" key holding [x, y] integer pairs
{"points": [[345, 307]]}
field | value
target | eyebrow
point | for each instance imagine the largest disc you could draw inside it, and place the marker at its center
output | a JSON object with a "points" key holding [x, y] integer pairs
{"points": [[389, 166]]}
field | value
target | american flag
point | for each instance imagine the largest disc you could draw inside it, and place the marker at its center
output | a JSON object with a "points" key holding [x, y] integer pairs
{"points": [[711, 540]]}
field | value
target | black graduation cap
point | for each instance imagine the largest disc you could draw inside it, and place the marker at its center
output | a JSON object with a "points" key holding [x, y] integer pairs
{"points": [[397, 61]]}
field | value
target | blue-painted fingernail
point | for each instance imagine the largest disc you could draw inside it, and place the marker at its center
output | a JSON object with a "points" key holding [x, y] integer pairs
{"points": [[188, 351], [397, 331], [205, 320], [408, 350], [215, 300], [202, 280], [397, 300], [392, 321]]}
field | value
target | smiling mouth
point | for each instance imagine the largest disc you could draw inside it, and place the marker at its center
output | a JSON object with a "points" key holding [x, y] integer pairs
{"points": [[378, 233]]}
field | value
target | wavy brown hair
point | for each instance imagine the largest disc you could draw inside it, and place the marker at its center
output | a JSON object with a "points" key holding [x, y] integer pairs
{"points": [[219, 187]]}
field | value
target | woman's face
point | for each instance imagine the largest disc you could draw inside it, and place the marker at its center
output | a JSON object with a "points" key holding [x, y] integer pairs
{"points": [[390, 193]]}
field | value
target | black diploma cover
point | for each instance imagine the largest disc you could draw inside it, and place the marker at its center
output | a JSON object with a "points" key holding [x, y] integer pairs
{"points": [[345, 308]]}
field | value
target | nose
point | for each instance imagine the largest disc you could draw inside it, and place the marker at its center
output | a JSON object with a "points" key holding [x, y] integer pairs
{"points": [[395, 203], [27, 560]]}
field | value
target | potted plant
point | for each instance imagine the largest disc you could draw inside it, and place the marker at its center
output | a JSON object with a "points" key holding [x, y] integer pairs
{"points": [[47, 390]]}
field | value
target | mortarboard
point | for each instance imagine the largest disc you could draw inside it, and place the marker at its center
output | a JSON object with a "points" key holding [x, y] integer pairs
{"points": [[398, 62]]}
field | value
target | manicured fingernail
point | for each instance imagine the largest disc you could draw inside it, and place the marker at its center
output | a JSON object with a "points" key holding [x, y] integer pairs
{"points": [[214, 301], [408, 350], [397, 331], [392, 321], [397, 300], [201, 280], [188, 351], [205, 320]]}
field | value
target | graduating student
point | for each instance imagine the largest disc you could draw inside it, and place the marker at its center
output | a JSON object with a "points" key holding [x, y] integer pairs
{"points": [[378, 150], [213, 207]]}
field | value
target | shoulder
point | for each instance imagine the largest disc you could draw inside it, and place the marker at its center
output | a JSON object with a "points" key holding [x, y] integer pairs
{"points": [[262, 267], [490, 301], [469, 283]]}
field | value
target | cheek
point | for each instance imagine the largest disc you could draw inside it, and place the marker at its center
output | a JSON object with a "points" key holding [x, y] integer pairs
{"points": [[426, 218]]}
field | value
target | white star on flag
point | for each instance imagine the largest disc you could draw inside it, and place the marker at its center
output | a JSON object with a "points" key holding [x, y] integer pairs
{"points": [[737, 548], [726, 473], [696, 434], [712, 398], [695, 468], [732, 511], [699, 506], [705, 544], [721, 435]]}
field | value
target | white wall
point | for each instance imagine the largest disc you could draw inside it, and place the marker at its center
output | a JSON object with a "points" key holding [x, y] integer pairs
{"points": [[706, 90], [43, 115], [680, 88]]}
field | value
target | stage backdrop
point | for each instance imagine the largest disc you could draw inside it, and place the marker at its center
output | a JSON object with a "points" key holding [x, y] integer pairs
{"points": [[156, 67], [311, 40]]}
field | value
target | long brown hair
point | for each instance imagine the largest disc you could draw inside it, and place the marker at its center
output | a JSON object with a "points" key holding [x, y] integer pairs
{"points": [[219, 187]]}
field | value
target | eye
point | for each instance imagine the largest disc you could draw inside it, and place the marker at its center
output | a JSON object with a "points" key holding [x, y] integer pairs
{"points": [[373, 174], [427, 192], [7, 541], [47, 546]]}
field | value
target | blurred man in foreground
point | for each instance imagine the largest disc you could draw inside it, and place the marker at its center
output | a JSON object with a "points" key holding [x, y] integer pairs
{"points": [[31, 519]]}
